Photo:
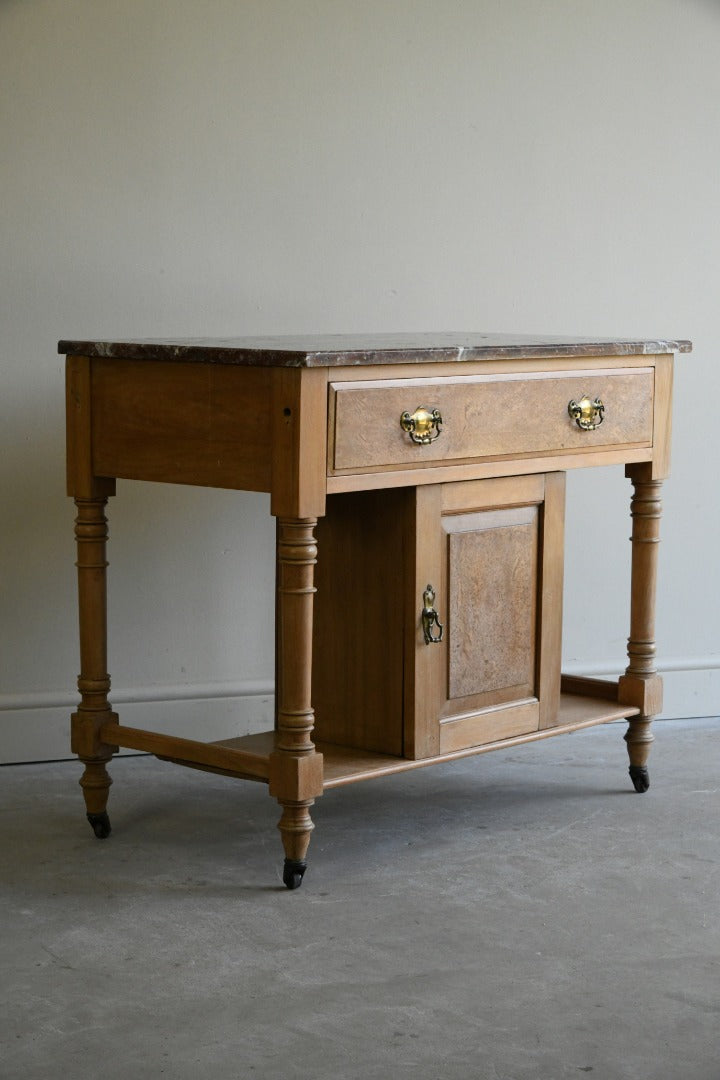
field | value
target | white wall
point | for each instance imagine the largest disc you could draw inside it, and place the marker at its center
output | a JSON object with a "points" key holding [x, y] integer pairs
{"points": [[251, 166]]}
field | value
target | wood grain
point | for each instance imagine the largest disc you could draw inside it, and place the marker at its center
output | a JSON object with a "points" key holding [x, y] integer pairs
{"points": [[486, 416], [641, 685], [492, 601], [477, 514], [358, 621], [552, 566], [93, 722], [295, 774], [590, 687], [489, 725], [498, 579], [182, 423], [221, 756], [432, 473], [662, 417], [346, 766], [488, 494], [508, 366], [425, 665], [81, 479], [299, 447]]}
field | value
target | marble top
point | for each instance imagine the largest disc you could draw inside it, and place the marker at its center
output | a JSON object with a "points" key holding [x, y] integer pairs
{"points": [[343, 350]]}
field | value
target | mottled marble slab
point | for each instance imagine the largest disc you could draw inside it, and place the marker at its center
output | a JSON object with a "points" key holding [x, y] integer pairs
{"points": [[343, 350]]}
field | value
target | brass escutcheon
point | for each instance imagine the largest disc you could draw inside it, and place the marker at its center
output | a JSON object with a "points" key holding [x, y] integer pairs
{"points": [[423, 426], [430, 618], [587, 414]]}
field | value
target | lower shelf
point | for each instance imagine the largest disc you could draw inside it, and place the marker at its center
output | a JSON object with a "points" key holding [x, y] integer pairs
{"points": [[345, 765]]}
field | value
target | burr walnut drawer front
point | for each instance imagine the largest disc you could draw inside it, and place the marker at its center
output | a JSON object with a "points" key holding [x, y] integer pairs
{"points": [[413, 422]]}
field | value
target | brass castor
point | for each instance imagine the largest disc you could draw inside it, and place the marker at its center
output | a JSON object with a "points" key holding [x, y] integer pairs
{"points": [[100, 825], [640, 778], [293, 872]]}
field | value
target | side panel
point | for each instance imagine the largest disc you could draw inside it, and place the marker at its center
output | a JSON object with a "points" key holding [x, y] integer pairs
{"points": [[182, 423], [357, 689]]}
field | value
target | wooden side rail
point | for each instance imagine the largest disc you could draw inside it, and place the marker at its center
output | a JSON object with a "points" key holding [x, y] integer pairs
{"points": [[607, 689], [234, 762]]}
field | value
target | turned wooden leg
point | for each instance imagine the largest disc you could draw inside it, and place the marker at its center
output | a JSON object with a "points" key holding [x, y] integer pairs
{"points": [[94, 710], [295, 826], [641, 685], [295, 766]]}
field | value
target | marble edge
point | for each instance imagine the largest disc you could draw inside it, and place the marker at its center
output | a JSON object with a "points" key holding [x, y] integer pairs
{"points": [[196, 352], [257, 356], [353, 357]]}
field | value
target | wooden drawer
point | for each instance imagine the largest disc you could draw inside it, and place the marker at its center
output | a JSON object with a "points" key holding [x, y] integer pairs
{"points": [[486, 416]]}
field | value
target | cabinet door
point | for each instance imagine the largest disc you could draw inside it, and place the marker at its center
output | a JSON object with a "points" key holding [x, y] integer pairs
{"points": [[491, 552]]}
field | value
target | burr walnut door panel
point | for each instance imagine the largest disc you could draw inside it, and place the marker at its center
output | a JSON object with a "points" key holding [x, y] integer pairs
{"points": [[488, 569]]}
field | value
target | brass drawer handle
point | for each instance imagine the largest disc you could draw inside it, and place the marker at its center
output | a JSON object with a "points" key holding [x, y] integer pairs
{"points": [[587, 414], [430, 618], [423, 426]]}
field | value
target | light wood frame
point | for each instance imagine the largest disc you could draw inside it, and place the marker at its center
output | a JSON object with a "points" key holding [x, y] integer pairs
{"points": [[275, 429]]}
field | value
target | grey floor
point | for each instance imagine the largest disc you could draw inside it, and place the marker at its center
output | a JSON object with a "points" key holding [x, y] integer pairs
{"points": [[522, 915]]}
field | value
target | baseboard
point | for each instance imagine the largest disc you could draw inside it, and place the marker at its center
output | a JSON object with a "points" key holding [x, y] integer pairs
{"points": [[37, 727]]}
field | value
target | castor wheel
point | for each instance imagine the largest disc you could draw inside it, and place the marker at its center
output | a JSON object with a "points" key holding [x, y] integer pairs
{"points": [[640, 778], [293, 872], [100, 825]]}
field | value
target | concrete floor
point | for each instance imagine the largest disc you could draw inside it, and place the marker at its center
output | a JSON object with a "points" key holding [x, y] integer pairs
{"points": [[522, 915]]}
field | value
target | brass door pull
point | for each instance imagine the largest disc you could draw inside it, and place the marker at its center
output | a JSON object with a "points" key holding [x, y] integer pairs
{"points": [[587, 414], [423, 426], [430, 618]]}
